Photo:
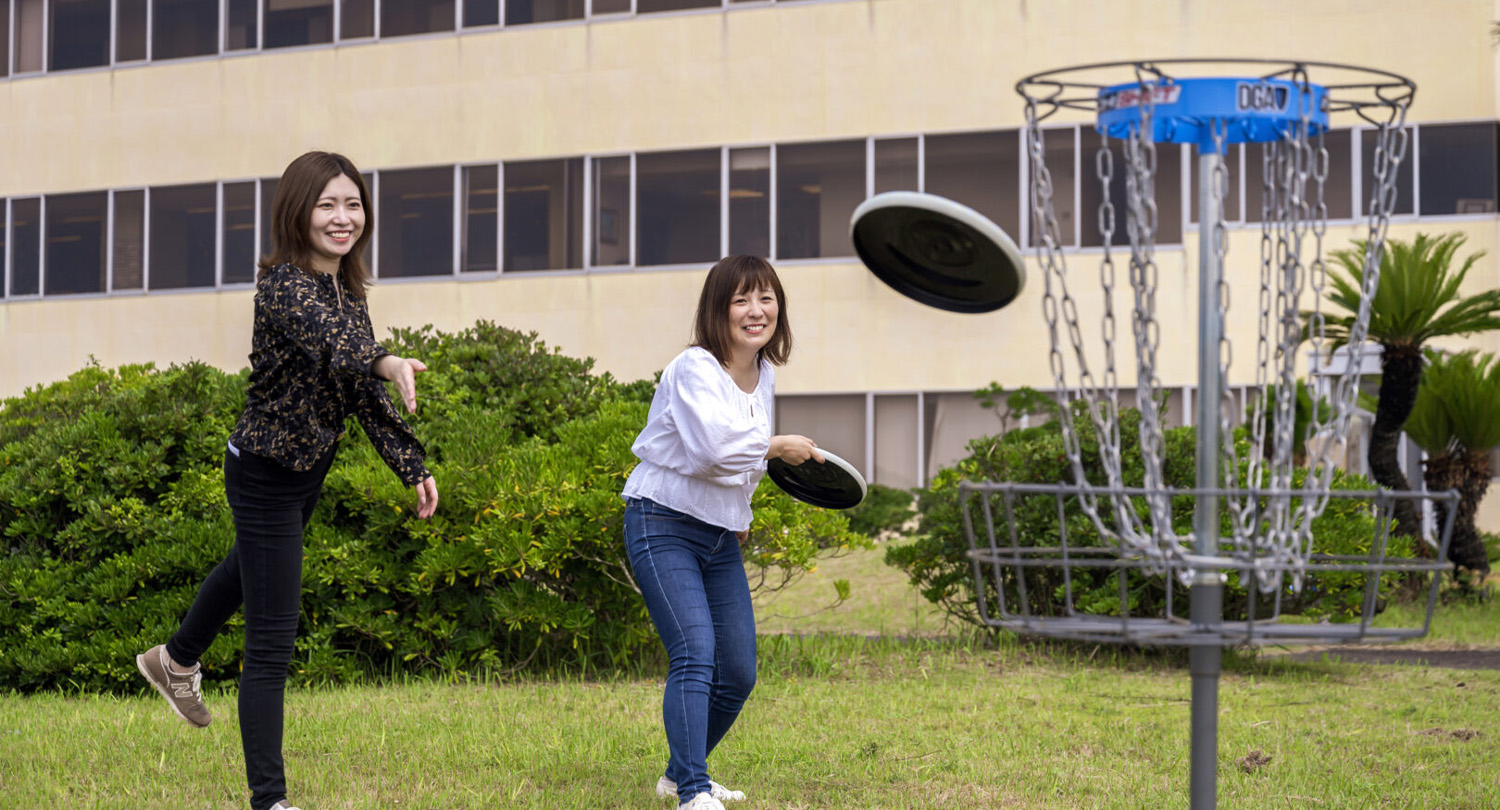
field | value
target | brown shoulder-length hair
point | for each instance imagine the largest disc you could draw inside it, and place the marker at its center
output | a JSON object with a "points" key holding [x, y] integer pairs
{"points": [[291, 212], [731, 276]]}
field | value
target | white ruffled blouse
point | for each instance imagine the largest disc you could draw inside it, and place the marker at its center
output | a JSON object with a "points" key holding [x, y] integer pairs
{"points": [[703, 450]]}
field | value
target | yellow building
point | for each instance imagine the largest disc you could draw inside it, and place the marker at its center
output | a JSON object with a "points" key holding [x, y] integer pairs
{"points": [[573, 166]]}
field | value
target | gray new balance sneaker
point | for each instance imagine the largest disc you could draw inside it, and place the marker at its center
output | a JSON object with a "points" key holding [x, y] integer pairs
{"points": [[181, 691]]}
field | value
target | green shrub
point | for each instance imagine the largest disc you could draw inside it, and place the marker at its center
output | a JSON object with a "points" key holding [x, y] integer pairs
{"points": [[884, 509], [113, 511], [937, 562]]}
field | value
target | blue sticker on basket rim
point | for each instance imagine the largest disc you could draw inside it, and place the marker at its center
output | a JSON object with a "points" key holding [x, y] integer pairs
{"points": [[1186, 110]]}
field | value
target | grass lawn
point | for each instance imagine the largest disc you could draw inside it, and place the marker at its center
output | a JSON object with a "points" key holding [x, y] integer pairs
{"points": [[836, 722]]}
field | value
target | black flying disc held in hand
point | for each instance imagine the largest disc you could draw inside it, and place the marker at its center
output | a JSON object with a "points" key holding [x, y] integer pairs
{"points": [[938, 252], [834, 484]]}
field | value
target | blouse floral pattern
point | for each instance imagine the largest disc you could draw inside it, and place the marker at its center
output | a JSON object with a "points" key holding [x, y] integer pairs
{"points": [[310, 368]]}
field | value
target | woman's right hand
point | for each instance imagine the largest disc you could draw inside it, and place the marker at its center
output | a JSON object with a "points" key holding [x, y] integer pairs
{"points": [[403, 372], [794, 449]]}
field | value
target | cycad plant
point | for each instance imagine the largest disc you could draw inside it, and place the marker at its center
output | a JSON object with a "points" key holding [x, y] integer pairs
{"points": [[1456, 419], [1417, 300]]}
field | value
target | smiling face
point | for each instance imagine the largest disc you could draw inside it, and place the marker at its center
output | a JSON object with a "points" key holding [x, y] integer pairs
{"points": [[335, 224], [752, 319]]}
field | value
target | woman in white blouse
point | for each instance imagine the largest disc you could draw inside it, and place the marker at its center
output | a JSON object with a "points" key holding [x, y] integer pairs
{"points": [[687, 509]]}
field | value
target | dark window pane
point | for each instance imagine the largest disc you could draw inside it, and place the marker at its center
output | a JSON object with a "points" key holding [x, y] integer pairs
{"points": [[1234, 156], [76, 242], [1167, 187], [979, 169], [182, 237], [80, 34], [481, 12], [1338, 188], [25, 246], [1404, 195], [415, 17], [130, 30], [239, 233], [4, 246], [184, 28], [520, 12], [416, 222], [30, 31], [1458, 168], [677, 197], [612, 228], [130, 230], [543, 214], [290, 23], [896, 165], [1058, 150], [611, 6], [750, 201], [267, 196], [4, 42], [818, 186], [357, 19], [481, 217], [241, 34], [649, 6]]}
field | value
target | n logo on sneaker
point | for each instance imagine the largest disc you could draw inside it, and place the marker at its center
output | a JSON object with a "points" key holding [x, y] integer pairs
{"points": [[182, 690]]}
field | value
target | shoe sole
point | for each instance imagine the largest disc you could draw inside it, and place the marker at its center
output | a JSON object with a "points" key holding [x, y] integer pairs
{"points": [[140, 664]]}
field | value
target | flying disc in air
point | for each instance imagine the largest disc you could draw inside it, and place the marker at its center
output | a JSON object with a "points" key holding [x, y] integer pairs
{"points": [[834, 484], [938, 252]]}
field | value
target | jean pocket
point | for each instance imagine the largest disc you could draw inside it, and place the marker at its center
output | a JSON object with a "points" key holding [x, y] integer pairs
{"points": [[656, 511]]}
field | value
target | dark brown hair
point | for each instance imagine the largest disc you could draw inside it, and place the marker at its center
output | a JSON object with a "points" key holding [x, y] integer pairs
{"points": [[731, 276], [291, 213]]}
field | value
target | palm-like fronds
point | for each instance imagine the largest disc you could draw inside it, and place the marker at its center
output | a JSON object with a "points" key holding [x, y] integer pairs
{"points": [[1458, 404], [1418, 296]]}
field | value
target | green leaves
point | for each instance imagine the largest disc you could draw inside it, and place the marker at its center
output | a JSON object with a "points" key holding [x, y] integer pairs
{"points": [[1458, 404]]}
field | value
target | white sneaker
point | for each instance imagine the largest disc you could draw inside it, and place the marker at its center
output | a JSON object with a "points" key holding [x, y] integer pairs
{"points": [[667, 789], [702, 801]]}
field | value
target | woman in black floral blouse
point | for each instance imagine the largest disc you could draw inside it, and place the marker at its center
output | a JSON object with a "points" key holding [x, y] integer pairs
{"points": [[314, 361]]}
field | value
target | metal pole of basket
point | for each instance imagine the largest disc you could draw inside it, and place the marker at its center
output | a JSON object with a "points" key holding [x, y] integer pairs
{"points": [[1207, 595]]}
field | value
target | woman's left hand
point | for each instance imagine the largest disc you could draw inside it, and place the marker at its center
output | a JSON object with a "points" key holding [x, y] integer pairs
{"points": [[427, 497], [744, 536]]}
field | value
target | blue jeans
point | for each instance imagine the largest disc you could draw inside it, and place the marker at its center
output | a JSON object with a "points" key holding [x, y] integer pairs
{"points": [[693, 581]]}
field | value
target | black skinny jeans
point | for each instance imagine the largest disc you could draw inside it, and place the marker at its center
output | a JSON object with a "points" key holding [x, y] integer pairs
{"points": [[263, 572]]}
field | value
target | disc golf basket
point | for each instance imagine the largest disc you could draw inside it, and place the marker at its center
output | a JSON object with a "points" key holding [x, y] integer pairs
{"points": [[1246, 526]]}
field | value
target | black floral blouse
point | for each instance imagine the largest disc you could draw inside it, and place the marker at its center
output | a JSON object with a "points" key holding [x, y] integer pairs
{"points": [[310, 367]]}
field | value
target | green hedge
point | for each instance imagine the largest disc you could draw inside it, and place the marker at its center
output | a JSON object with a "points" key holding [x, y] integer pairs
{"points": [[112, 511], [937, 563]]}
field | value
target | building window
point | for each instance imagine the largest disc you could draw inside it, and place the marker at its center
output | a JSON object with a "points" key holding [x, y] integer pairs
{"points": [[4, 245], [242, 31], [4, 40], [836, 422], [896, 165], [613, 231], [1458, 168], [290, 23], [650, 6], [415, 17], [238, 218], [416, 222], [678, 207], [481, 12], [80, 34], [521, 12], [750, 201], [183, 236], [29, 34], [130, 30], [543, 214], [267, 196], [481, 222], [76, 242], [1059, 150], [129, 240], [184, 28], [980, 169], [356, 19], [26, 246], [818, 186], [1404, 196], [1167, 193], [611, 7]]}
